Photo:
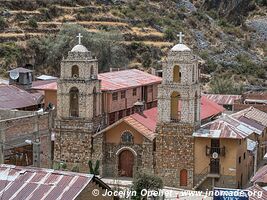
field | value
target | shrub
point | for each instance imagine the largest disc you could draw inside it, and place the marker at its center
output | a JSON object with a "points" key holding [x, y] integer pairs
{"points": [[3, 23], [32, 23]]}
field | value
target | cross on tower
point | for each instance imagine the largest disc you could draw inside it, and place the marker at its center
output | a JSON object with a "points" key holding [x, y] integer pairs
{"points": [[180, 35], [80, 37]]}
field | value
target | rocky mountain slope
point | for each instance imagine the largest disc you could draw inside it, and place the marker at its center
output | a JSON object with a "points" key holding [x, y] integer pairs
{"points": [[228, 35]]}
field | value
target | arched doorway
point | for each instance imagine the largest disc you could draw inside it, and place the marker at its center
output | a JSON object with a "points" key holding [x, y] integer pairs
{"points": [[126, 163], [183, 177]]}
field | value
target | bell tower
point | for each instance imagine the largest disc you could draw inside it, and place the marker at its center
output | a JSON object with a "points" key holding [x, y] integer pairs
{"points": [[178, 116], [78, 106]]}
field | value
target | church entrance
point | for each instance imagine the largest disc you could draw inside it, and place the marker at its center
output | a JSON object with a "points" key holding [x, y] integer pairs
{"points": [[126, 163]]}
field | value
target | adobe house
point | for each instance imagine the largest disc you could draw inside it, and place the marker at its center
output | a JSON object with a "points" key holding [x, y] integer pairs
{"points": [[222, 156]]}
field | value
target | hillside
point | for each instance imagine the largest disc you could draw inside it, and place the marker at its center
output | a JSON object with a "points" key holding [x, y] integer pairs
{"points": [[229, 36]]}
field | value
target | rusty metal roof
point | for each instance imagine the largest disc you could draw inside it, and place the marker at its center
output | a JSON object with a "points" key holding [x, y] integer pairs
{"points": [[223, 99], [260, 176], [126, 79], [226, 127], [258, 192], [17, 183], [12, 97], [49, 86], [254, 114]]}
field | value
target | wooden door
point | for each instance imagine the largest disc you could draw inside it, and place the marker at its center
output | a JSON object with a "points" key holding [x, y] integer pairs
{"points": [[126, 163], [183, 177]]}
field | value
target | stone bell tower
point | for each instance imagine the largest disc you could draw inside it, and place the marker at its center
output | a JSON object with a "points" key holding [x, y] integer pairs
{"points": [[78, 107], [178, 116]]}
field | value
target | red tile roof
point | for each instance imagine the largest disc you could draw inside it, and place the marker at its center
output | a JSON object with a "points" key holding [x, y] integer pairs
{"points": [[146, 122], [223, 99], [19, 182], [12, 97]]}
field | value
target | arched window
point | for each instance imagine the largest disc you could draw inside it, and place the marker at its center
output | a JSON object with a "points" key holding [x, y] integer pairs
{"points": [[193, 74], [176, 74], [127, 137], [94, 102], [75, 71], [74, 102], [195, 107], [175, 106], [183, 177], [92, 71]]}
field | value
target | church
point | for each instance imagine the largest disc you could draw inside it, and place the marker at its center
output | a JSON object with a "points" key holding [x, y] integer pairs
{"points": [[166, 151], [166, 139]]}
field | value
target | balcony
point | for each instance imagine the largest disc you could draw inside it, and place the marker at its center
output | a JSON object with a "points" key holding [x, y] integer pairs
{"points": [[211, 150]]}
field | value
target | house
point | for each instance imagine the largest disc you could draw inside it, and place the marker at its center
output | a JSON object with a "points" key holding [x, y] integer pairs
{"points": [[257, 119], [256, 99], [222, 153], [225, 100], [19, 182], [21, 77], [13, 97]]}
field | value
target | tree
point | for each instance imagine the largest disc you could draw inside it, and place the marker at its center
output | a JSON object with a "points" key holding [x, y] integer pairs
{"points": [[146, 181], [93, 169], [3, 23], [32, 23]]}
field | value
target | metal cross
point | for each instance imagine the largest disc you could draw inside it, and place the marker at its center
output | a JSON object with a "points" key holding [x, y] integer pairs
{"points": [[110, 153], [180, 35], [80, 37]]}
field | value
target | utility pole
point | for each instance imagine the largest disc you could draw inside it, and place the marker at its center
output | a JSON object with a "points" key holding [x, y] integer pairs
{"points": [[255, 158], [36, 143], [2, 141]]}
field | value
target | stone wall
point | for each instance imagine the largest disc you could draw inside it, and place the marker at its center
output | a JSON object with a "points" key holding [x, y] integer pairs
{"points": [[174, 152], [15, 130]]}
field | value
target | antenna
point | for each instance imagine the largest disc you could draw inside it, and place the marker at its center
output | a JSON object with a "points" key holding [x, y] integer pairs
{"points": [[14, 75]]}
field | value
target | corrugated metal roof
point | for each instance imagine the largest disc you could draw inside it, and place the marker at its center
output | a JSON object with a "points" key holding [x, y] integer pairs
{"points": [[260, 176], [12, 97], [225, 127], [126, 79], [223, 99], [258, 192], [46, 77], [254, 114], [20, 70], [18, 183], [49, 86]]}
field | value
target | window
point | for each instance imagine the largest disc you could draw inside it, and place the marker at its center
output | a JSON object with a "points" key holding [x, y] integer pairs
{"points": [[183, 177], [75, 71], [115, 96], [239, 160], [127, 137], [134, 92], [150, 89], [123, 94], [74, 102], [244, 155], [176, 74]]}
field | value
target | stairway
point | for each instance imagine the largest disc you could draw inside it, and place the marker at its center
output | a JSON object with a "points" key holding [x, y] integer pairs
{"points": [[200, 182]]}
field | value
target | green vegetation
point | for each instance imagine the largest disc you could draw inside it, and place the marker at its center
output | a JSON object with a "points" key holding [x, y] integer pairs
{"points": [[94, 169], [32, 23], [106, 46], [10, 53], [146, 181], [225, 85], [3, 23]]}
